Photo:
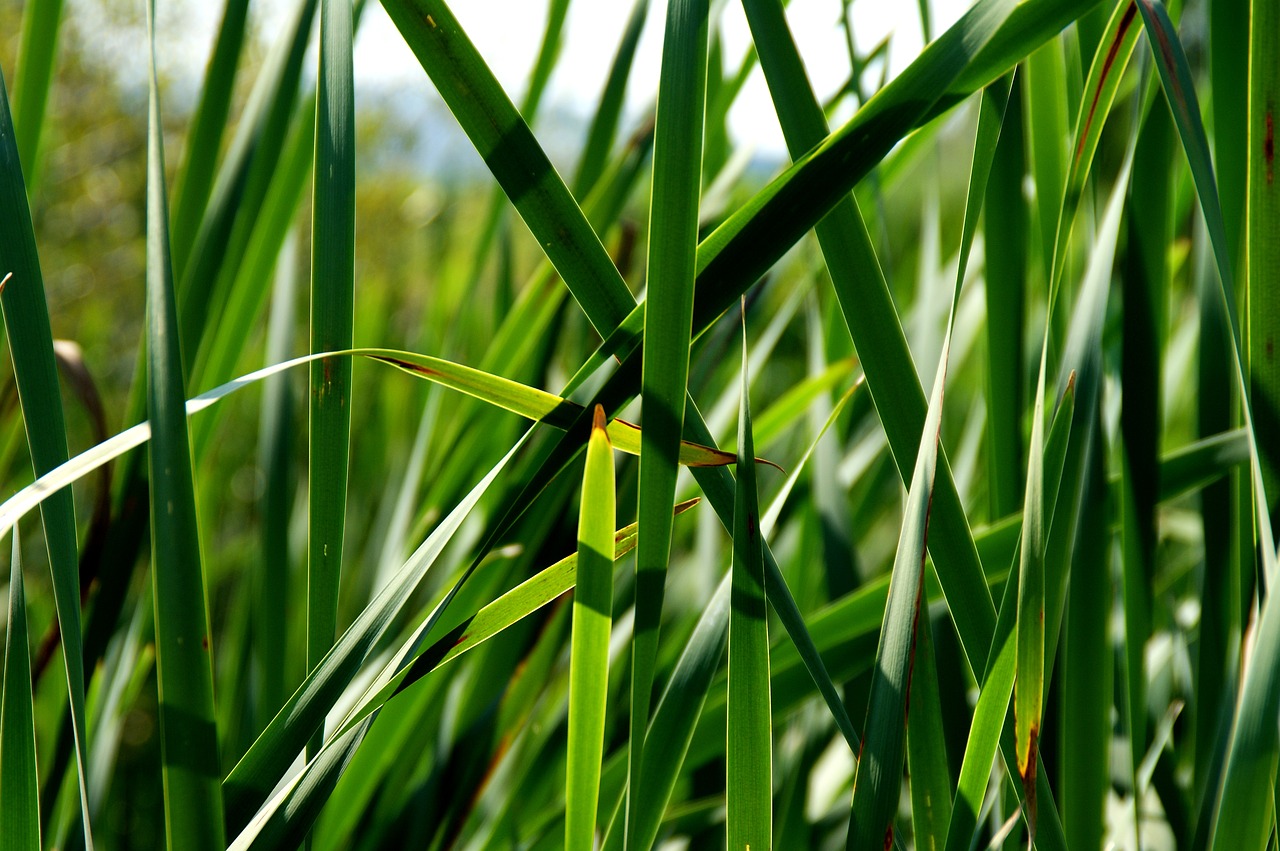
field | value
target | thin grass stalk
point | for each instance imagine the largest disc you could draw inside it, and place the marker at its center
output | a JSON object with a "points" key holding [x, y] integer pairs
{"points": [[36, 56], [184, 662], [204, 140], [332, 318], [749, 745], [1263, 252], [672, 261], [30, 338], [19, 779], [589, 664]]}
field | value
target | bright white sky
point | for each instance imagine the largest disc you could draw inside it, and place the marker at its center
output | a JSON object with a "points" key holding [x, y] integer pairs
{"points": [[508, 34]]}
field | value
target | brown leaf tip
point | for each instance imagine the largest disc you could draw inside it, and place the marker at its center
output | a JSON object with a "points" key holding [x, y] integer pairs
{"points": [[4, 281], [598, 420]]}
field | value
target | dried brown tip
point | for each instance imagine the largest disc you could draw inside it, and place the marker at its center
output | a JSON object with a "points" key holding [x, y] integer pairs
{"points": [[4, 281], [598, 421]]}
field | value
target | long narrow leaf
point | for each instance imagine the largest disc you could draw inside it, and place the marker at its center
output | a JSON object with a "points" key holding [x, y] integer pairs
{"points": [[19, 780], [589, 664], [184, 661]]}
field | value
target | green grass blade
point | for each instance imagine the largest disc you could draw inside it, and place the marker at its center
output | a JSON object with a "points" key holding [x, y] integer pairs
{"points": [[749, 752], [604, 124], [676, 717], [184, 661], [1086, 671], [673, 245], [589, 665], [878, 779], [332, 317], [204, 140], [1006, 288], [26, 321], [36, 57], [19, 780], [988, 721], [242, 180], [259, 770], [927, 747], [1263, 249]]}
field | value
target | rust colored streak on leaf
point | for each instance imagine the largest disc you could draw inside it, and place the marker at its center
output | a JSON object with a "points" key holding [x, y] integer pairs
{"points": [[1112, 52], [1029, 777], [888, 838], [1269, 148], [410, 367], [204, 642], [1166, 55]]}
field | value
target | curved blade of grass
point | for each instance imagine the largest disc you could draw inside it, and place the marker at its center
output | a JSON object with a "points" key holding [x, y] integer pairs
{"points": [[36, 55], [184, 661], [250, 782], [604, 124], [749, 749], [515, 605], [333, 232], [19, 780], [405, 669], [589, 663], [673, 247], [534, 404], [26, 321]]}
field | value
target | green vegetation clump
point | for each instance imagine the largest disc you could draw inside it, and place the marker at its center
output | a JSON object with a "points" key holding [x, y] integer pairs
{"points": [[916, 493]]}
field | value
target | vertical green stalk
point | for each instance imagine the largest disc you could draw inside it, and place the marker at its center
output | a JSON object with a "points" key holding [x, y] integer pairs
{"points": [[749, 747], [589, 663], [36, 55], [205, 136], [26, 322], [184, 666], [1006, 284], [19, 780], [332, 318], [1262, 253], [673, 243]]}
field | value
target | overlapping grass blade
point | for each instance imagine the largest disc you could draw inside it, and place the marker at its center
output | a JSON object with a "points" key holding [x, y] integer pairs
{"points": [[1263, 249], [877, 781], [1086, 670], [208, 123], [927, 747], [184, 661], [518, 163], [749, 749], [673, 246], [19, 780], [26, 321], [36, 56], [332, 320], [589, 664], [676, 717]]}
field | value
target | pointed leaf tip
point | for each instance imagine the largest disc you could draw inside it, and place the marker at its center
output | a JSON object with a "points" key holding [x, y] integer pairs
{"points": [[598, 422], [4, 281]]}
